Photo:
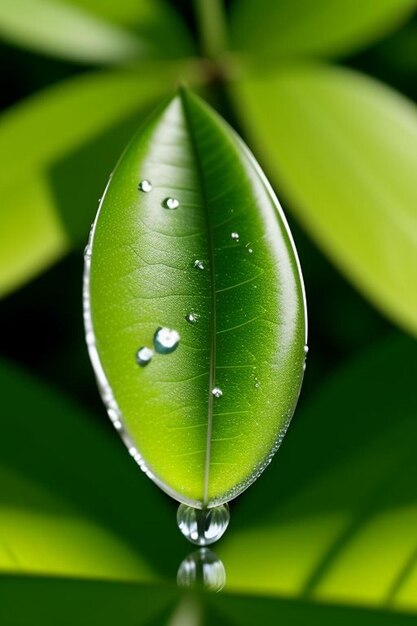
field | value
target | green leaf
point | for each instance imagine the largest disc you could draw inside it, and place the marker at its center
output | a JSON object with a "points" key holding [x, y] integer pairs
{"points": [[344, 149], [83, 34], [245, 289], [335, 518], [283, 29], [72, 501], [43, 142]]}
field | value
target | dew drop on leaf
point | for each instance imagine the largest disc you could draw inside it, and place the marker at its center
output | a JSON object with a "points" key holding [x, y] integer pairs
{"points": [[145, 186], [166, 340], [144, 356], [171, 203], [199, 264], [235, 236], [192, 317], [217, 392]]}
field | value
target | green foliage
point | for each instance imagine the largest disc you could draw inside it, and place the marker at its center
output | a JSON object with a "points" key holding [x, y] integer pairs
{"points": [[248, 298], [39, 137], [287, 29], [346, 156], [317, 541], [81, 34], [328, 534]]}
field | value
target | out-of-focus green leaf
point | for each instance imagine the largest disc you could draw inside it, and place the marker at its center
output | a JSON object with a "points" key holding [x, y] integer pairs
{"points": [[72, 501], [335, 518], [80, 31], [47, 602], [344, 148], [246, 287], [37, 139], [282, 29]]}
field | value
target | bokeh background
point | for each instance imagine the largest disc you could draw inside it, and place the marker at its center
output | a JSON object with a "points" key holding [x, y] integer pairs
{"points": [[323, 93]]}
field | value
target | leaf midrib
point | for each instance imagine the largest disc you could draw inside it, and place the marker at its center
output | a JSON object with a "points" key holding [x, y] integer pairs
{"points": [[213, 317]]}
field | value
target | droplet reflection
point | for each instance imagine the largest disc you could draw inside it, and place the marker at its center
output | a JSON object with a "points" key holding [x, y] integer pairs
{"points": [[202, 569]]}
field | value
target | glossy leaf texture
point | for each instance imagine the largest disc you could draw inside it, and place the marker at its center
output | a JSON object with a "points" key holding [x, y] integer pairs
{"points": [[286, 29], [344, 146], [45, 143], [204, 419], [94, 32]]}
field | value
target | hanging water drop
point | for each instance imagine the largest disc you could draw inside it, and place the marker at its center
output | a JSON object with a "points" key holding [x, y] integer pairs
{"points": [[145, 186], [166, 340], [199, 264], [217, 392], [171, 203], [192, 318], [235, 236], [144, 356], [202, 569], [305, 349], [203, 526]]}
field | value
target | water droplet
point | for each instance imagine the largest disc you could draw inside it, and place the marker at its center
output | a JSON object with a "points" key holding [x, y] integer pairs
{"points": [[145, 186], [217, 392], [166, 340], [199, 264], [171, 203], [257, 383], [248, 248], [192, 318], [306, 349], [203, 526], [202, 569], [304, 366], [235, 236], [144, 356]]}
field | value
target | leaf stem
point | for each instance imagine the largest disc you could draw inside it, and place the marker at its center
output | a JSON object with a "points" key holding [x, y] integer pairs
{"points": [[212, 27]]}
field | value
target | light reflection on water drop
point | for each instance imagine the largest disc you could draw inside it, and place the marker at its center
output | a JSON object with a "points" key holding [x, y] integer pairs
{"points": [[145, 186], [166, 340], [144, 356], [192, 317], [217, 392], [235, 236], [202, 569], [199, 265], [203, 526], [171, 203]]}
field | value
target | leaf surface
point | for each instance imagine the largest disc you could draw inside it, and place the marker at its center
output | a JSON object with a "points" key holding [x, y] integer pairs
{"points": [[344, 148], [275, 30], [40, 185], [206, 417]]}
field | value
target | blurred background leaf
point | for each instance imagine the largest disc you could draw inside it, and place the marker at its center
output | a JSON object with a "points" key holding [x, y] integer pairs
{"points": [[79, 31], [72, 500], [38, 139], [279, 30], [347, 157]]}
